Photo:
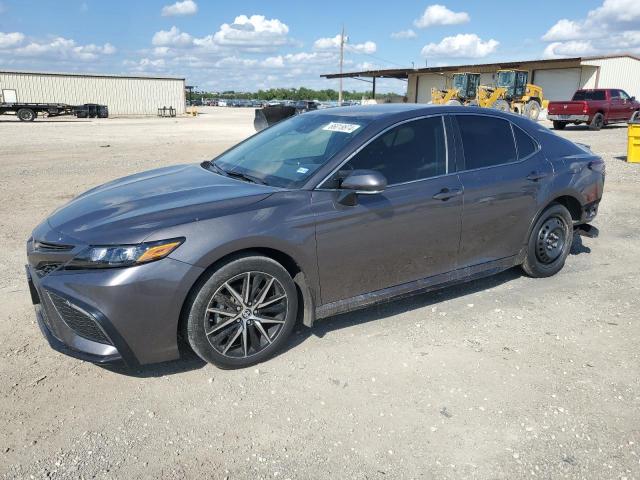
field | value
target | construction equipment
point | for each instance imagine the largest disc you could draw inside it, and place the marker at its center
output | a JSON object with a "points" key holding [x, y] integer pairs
{"points": [[513, 93], [463, 90]]}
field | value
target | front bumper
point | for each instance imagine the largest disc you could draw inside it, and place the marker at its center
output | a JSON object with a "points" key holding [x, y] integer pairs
{"points": [[568, 118], [125, 314]]}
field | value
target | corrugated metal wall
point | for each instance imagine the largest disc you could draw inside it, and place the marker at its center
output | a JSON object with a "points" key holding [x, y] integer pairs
{"points": [[123, 95], [617, 72]]}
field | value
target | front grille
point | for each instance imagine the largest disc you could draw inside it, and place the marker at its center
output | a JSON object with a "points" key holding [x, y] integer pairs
{"points": [[78, 320], [44, 269], [51, 247]]}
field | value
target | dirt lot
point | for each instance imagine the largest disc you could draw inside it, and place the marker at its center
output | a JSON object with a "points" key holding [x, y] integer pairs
{"points": [[503, 378]]}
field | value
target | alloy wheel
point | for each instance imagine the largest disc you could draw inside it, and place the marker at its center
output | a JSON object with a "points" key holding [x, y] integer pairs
{"points": [[246, 314], [551, 240]]}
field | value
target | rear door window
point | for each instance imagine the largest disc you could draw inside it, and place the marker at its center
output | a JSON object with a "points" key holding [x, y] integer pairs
{"points": [[487, 141], [526, 145], [589, 95]]}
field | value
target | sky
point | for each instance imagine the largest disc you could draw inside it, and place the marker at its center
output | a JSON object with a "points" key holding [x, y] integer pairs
{"points": [[247, 45]]}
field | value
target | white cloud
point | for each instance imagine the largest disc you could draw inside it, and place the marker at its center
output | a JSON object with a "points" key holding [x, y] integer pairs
{"points": [[573, 48], [273, 62], [187, 7], [255, 31], [172, 38], [10, 40], [145, 65], [468, 45], [235, 62], [616, 24], [564, 30], [333, 43], [57, 48], [402, 34], [440, 15]]}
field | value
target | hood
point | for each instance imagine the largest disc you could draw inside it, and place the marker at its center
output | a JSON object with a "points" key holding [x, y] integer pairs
{"points": [[129, 209]]}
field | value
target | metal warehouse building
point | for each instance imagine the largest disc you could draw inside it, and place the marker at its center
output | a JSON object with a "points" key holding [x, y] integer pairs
{"points": [[123, 95], [559, 78]]}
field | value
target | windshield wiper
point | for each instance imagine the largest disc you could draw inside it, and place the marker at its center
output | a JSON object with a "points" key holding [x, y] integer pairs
{"points": [[209, 165], [244, 176]]}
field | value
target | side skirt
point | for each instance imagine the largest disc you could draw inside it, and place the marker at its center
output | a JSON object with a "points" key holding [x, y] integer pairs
{"points": [[423, 285]]}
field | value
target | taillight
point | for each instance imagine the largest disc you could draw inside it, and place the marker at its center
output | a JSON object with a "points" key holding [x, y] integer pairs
{"points": [[597, 166], [585, 108]]}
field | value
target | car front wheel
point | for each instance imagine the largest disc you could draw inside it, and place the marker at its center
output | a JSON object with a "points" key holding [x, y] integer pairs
{"points": [[549, 242], [242, 313]]}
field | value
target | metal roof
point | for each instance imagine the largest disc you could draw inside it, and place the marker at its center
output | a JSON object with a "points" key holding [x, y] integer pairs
{"points": [[91, 75], [404, 72]]}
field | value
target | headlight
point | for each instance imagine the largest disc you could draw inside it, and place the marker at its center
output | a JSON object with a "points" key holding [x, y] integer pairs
{"points": [[110, 256]]}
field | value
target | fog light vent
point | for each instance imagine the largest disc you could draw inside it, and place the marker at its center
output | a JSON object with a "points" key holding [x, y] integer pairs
{"points": [[78, 320]]}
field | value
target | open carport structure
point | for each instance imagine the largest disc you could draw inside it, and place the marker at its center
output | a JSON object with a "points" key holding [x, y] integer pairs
{"points": [[559, 78]]}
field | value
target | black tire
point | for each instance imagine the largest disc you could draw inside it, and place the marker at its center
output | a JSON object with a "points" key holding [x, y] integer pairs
{"points": [[26, 115], [559, 125], [198, 319], [597, 122], [546, 254]]}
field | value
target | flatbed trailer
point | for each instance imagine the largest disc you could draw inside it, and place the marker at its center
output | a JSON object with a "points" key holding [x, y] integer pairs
{"points": [[27, 112]]}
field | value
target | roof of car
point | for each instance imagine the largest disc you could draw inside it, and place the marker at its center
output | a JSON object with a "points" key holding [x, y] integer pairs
{"points": [[408, 110]]}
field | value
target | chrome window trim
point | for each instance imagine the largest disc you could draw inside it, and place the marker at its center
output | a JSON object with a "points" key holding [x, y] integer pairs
{"points": [[512, 125], [372, 139]]}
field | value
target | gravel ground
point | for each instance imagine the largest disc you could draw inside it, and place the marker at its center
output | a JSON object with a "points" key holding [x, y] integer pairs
{"points": [[503, 378]]}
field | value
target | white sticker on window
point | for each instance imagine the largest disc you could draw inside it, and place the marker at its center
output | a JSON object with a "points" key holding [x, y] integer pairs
{"points": [[341, 127], [302, 170]]}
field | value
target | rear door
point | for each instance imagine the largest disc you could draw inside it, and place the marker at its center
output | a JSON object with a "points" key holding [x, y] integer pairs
{"points": [[617, 110], [502, 173], [408, 232]]}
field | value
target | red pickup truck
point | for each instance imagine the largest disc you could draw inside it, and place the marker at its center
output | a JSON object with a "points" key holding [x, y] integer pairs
{"points": [[597, 108]]}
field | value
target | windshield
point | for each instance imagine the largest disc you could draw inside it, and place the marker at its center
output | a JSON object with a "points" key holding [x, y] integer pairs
{"points": [[589, 95], [459, 82], [505, 79], [288, 153]]}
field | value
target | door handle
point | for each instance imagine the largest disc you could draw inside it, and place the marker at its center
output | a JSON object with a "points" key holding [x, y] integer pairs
{"points": [[447, 193], [535, 176]]}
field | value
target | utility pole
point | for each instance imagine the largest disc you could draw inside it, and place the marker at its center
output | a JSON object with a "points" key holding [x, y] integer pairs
{"points": [[341, 63]]}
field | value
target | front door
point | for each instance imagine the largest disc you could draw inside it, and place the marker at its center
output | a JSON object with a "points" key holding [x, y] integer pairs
{"points": [[408, 232], [502, 179]]}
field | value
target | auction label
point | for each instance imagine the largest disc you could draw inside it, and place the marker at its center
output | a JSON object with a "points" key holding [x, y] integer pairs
{"points": [[341, 127]]}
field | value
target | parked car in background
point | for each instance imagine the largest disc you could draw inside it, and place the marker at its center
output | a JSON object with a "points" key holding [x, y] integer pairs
{"points": [[595, 107], [305, 106], [323, 213]]}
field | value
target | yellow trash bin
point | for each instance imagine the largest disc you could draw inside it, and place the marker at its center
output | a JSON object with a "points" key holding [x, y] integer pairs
{"points": [[633, 145]]}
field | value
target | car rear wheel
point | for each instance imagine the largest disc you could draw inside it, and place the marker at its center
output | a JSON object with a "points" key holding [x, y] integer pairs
{"points": [[549, 242], [242, 313], [597, 122], [559, 125]]}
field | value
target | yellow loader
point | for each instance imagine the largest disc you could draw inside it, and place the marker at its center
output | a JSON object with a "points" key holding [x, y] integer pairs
{"points": [[513, 93], [463, 90]]}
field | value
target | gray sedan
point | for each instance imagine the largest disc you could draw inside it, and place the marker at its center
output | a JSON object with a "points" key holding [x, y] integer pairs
{"points": [[320, 214]]}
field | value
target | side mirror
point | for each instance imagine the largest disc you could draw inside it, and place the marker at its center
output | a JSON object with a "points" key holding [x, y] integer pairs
{"points": [[361, 182], [366, 182], [633, 99]]}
